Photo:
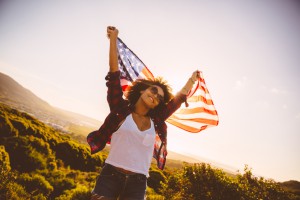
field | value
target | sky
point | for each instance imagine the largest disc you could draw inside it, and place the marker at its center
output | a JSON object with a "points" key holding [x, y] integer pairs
{"points": [[248, 51]]}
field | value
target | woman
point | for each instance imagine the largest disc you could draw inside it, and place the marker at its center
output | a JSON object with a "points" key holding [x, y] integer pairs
{"points": [[134, 126]]}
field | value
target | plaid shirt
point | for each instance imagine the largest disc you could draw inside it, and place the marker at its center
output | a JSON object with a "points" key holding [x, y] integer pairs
{"points": [[120, 109]]}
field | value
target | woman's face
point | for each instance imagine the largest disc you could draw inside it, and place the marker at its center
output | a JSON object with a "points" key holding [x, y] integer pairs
{"points": [[153, 96]]}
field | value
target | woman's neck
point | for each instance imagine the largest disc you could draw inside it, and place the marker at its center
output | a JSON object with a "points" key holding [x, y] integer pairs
{"points": [[140, 109], [140, 112]]}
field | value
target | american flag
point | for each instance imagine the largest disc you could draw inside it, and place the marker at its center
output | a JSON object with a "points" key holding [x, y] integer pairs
{"points": [[130, 66], [200, 113]]}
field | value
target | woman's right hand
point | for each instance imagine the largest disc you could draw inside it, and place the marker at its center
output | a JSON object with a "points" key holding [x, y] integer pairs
{"points": [[112, 32]]}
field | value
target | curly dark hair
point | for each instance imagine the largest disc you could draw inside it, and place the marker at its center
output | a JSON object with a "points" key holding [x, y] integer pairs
{"points": [[139, 85]]}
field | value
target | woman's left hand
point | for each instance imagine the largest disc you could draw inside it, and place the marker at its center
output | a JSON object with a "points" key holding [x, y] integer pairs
{"points": [[195, 76]]}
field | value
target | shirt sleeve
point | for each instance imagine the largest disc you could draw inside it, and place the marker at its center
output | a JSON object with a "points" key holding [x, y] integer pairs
{"points": [[114, 90], [173, 105]]}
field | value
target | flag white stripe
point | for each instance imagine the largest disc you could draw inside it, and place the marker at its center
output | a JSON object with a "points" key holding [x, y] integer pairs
{"points": [[199, 105], [197, 115]]}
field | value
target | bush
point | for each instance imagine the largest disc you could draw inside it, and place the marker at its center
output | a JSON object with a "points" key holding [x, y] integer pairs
{"points": [[62, 185], [151, 194], [79, 193], [156, 177], [8, 187], [200, 181], [58, 181], [4, 161], [14, 191], [252, 187], [35, 184], [78, 156], [26, 158], [6, 127]]}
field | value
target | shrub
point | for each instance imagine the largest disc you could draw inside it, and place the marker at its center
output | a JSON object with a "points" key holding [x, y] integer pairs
{"points": [[59, 182], [200, 181], [155, 179], [35, 184], [151, 194], [78, 156], [14, 191], [79, 193], [9, 189], [4, 161], [6, 127], [26, 158], [252, 187]]}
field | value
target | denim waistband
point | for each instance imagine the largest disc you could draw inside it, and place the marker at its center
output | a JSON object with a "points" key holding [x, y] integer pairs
{"points": [[122, 173]]}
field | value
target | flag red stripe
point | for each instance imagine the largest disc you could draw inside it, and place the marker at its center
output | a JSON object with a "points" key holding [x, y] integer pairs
{"points": [[200, 98], [204, 89], [147, 73], [196, 110], [186, 127], [191, 93], [205, 121], [200, 120]]}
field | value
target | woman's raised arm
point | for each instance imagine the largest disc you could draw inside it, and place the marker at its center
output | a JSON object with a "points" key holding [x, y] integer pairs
{"points": [[112, 34]]}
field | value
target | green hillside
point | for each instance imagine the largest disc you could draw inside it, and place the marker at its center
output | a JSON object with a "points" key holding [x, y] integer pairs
{"points": [[39, 162], [20, 98]]}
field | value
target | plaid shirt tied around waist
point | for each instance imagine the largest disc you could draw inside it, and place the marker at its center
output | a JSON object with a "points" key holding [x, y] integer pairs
{"points": [[120, 108]]}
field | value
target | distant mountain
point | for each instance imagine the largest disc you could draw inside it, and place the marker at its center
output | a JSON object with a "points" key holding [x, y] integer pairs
{"points": [[20, 98], [292, 186], [183, 158]]}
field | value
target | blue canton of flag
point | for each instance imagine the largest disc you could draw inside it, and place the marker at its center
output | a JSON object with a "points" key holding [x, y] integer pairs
{"points": [[130, 66]]}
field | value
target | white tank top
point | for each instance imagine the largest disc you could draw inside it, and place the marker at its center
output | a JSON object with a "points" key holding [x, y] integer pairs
{"points": [[132, 149]]}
